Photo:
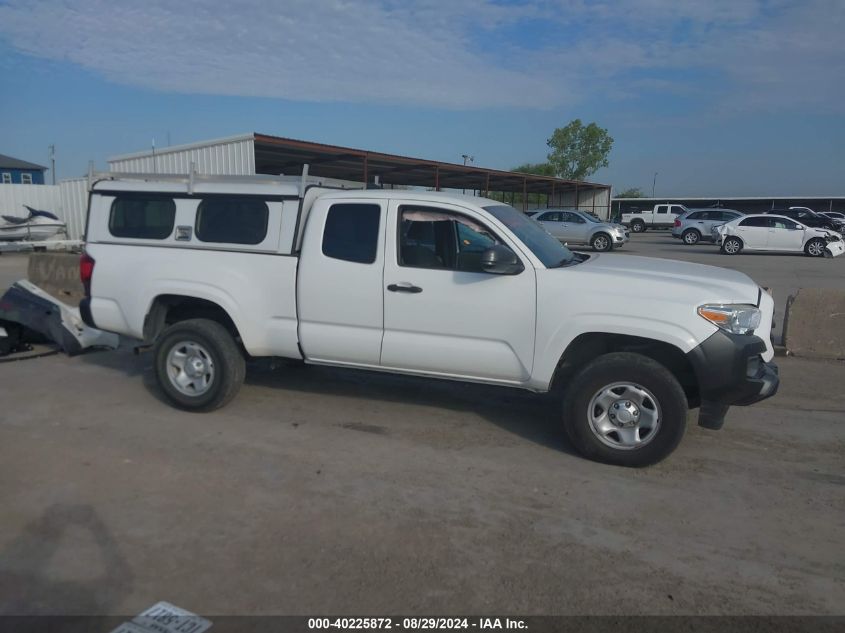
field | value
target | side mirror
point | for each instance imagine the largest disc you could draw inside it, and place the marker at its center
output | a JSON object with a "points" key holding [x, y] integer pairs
{"points": [[500, 260]]}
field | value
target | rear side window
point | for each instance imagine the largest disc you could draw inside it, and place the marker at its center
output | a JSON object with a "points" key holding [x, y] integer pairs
{"points": [[758, 221], [698, 215], [351, 232], [232, 220], [145, 218]]}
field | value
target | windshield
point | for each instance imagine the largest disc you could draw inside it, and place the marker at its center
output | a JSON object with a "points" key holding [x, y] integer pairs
{"points": [[590, 218], [547, 248]]}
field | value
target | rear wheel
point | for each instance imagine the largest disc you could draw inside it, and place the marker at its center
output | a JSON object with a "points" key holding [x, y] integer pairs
{"points": [[198, 365], [625, 409], [815, 247], [601, 242], [731, 246], [691, 237], [637, 226]]}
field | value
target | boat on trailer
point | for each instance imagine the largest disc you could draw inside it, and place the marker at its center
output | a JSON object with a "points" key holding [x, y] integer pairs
{"points": [[36, 227]]}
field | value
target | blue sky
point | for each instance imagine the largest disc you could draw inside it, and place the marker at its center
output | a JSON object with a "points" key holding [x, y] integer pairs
{"points": [[719, 97]]}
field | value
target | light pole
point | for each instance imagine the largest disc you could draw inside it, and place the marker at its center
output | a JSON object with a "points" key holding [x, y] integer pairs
{"points": [[53, 162], [466, 158], [653, 184]]}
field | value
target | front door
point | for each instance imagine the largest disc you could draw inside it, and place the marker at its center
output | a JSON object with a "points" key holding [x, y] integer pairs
{"points": [[785, 235], [442, 314]]}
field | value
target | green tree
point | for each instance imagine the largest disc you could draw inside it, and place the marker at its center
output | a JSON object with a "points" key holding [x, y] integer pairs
{"points": [[538, 169], [633, 192], [578, 150]]}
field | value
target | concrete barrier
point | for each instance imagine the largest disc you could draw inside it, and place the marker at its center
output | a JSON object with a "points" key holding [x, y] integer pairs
{"points": [[814, 325], [57, 274]]}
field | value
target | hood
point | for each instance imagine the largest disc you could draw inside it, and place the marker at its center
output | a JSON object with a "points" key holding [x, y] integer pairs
{"points": [[646, 277]]}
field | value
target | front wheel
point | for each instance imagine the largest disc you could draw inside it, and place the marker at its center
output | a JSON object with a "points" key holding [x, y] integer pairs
{"points": [[601, 242], [637, 226], [731, 246], [198, 365], [625, 409], [815, 247]]}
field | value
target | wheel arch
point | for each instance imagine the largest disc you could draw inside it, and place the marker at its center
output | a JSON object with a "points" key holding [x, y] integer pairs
{"points": [[590, 345], [166, 309]]}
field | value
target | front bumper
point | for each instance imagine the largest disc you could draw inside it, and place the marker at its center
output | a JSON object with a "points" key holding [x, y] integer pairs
{"points": [[731, 371]]}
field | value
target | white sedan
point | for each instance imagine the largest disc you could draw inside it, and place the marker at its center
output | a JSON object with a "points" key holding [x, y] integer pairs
{"points": [[776, 233]]}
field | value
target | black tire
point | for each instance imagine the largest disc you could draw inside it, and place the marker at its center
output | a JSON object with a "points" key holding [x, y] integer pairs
{"points": [[601, 242], [638, 226], [733, 248], [645, 374], [810, 246], [229, 366], [691, 237]]}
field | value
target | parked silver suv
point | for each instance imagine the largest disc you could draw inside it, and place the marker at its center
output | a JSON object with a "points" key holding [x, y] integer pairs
{"points": [[579, 227], [697, 224]]}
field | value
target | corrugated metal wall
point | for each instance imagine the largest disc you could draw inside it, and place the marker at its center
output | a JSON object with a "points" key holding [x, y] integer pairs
{"points": [[596, 200], [233, 158], [74, 205]]}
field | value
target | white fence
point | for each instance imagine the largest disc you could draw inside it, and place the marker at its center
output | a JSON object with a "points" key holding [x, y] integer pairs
{"points": [[68, 200]]}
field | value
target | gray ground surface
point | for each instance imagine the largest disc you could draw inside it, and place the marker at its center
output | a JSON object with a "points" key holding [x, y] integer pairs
{"points": [[322, 490]]}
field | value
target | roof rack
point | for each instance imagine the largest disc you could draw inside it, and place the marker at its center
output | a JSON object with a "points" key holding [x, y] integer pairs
{"points": [[192, 177]]}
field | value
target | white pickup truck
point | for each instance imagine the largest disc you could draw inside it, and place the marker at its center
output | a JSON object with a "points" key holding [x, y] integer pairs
{"points": [[214, 271], [662, 216]]}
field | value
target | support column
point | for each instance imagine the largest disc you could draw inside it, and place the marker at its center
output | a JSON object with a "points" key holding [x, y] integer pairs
{"points": [[437, 178], [524, 195], [366, 174]]}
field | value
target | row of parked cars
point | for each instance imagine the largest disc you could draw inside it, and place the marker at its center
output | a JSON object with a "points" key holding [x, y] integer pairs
{"points": [[797, 229]]}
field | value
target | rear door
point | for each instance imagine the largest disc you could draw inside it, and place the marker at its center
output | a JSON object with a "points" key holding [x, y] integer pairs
{"points": [[754, 232], [551, 222], [660, 217], [576, 227], [442, 314], [339, 286]]}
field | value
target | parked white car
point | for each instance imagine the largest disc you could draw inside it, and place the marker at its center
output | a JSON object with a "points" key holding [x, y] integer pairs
{"points": [[573, 227], [765, 232], [212, 271]]}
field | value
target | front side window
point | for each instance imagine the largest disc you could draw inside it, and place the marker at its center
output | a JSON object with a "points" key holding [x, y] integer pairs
{"points": [[232, 220], [26, 179], [351, 232], [783, 223], [141, 217], [432, 238]]}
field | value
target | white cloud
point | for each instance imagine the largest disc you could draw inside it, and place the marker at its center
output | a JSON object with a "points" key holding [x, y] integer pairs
{"points": [[442, 53]]}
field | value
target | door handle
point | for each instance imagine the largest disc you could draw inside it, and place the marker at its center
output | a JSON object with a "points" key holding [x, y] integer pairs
{"points": [[404, 287]]}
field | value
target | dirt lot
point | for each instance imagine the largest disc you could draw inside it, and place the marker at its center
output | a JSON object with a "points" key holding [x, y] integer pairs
{"points": [[329, 491]]}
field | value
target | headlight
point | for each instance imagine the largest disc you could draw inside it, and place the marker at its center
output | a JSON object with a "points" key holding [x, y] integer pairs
{"points": [[738, 318]]}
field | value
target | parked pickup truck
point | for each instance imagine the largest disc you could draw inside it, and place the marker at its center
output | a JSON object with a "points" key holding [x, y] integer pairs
{"points": [[662, 216], [213, 271]]}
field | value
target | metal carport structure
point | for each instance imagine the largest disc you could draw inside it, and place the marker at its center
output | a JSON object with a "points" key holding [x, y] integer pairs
{"points": [[266, 154]]}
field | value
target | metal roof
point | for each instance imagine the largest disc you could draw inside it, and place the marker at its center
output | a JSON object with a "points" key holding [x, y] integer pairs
{"points": [[275, 155], [8, 162]]}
